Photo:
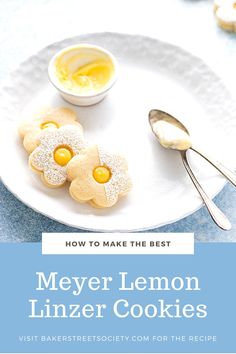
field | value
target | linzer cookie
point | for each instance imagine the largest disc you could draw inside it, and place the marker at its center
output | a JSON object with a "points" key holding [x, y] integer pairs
{"points": [[30, 129], [225, 12], [98, 177], [56, 148]]}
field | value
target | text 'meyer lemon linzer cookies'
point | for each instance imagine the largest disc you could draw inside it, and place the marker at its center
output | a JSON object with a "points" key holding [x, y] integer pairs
{"points": [[98, 177], [56, 148], [30, 129]]}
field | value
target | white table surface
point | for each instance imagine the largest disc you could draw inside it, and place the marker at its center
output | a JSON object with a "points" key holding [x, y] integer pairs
{"points": [[26, 26]]}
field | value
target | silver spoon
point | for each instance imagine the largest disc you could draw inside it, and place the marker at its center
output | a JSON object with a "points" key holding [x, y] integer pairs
{"points": [[172, 134]]}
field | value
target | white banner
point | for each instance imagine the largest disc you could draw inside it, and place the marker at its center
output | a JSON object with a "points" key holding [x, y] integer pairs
{"points": [[117, 243]]}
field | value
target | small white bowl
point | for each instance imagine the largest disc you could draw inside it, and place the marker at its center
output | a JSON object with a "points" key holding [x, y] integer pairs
{"points": [[85, 53]]}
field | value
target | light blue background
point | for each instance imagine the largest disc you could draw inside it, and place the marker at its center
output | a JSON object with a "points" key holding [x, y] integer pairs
{"points": [[214, 264]]}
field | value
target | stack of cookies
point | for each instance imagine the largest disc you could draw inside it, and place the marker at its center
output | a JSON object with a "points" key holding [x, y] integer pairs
{"points": [[59, 153]]}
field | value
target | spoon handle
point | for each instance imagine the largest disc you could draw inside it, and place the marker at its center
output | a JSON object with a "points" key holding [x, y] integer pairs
{"points": [[230, 175], [217, 215]]}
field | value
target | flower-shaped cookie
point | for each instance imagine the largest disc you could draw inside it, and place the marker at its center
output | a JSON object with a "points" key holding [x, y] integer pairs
{"points": [[55, 150], [29, 130], [225, 11], [98, 177]]}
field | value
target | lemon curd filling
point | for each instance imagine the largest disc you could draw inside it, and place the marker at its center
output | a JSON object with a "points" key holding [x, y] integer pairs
{"points": [[101, 174], [49, 125], [88, 78], [62, 155]]}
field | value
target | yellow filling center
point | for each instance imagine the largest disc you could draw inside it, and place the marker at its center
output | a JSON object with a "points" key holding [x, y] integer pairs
{"points": [[49, 125], [101, 174], [91, 77], [62, 155], [234, 5]]}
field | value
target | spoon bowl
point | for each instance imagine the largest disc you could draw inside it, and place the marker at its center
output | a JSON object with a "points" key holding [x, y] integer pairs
{"points": [[157, 115], [170, 132]]}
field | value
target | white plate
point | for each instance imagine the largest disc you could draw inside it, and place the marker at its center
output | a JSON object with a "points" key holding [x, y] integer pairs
{"points": [[152, 74]]}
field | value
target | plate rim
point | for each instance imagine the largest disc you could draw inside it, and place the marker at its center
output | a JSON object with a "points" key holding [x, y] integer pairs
{"points": [[90, 229], [109, 33]]}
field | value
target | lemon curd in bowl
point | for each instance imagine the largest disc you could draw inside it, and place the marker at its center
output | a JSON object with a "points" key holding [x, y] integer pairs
{"points": [[83, 73]]}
